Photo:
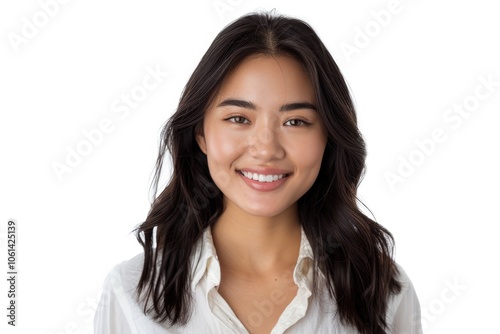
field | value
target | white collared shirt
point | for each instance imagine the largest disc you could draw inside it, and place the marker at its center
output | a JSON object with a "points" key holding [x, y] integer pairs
{"points": [[120, 313]]}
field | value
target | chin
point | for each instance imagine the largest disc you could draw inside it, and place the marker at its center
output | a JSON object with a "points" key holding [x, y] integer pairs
{"points": [[264, 211]]}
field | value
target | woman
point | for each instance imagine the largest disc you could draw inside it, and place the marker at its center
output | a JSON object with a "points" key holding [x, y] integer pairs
{"points": [[258, 230]]}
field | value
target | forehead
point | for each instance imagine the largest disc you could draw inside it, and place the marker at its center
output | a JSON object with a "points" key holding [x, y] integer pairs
{"points": [[264, 78]]}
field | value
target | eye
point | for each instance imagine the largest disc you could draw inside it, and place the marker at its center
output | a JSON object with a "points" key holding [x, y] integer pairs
{"points": [[237, 119], [296, 122]]}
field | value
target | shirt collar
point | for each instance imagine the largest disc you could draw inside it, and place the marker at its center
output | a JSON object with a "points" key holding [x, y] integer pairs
{"points": [[205, 259], [205, 262]]}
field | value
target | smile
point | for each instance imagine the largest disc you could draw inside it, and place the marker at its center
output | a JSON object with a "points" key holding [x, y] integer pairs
{"points": [[262, 177]]}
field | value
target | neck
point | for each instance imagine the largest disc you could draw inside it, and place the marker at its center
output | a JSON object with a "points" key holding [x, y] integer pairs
{"points": [[252, 246]]}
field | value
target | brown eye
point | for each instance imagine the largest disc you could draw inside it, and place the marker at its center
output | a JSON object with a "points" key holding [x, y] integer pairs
{"points": [[237, 119], [296, 122]]}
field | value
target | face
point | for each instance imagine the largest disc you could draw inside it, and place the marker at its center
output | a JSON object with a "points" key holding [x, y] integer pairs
{"points": [[263, 136]]}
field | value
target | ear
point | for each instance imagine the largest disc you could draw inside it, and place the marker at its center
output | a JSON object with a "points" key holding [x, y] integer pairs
{"points": [[200, 139]]}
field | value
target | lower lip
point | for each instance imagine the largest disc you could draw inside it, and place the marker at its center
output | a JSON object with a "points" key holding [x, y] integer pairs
{"points": [[263, 186]]}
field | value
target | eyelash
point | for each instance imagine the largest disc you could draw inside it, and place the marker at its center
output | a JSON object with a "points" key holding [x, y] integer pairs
{"points": [[231, 119], [304, 123]]}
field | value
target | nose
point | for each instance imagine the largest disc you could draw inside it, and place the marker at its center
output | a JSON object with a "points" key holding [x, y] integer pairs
{"points": [[265, 143]]}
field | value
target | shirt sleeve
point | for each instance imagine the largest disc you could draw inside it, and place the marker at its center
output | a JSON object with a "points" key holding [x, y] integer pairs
{"points": [[113, 313], [404, 308]]}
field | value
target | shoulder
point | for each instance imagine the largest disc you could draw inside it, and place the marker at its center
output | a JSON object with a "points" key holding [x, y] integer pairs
{"points": [[407, 297], [122, 280], [403, 312], [129, 270], [118, 310], [125, 275], [403, 278]]}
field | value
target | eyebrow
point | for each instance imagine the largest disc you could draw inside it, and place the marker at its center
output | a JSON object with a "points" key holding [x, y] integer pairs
{"points": [[250, 105]]}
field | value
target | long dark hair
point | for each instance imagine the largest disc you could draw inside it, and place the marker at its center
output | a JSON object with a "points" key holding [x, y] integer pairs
{"points": [[352, 250]]}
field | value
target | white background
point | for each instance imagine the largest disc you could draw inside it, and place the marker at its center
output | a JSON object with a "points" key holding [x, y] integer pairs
{"points": [[63, 80]]}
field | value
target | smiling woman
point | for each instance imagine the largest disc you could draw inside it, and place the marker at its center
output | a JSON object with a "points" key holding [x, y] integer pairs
{"points": [[258, 230]]}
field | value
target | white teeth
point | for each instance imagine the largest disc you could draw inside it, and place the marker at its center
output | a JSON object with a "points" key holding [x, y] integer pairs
{"points": [[262, 177]]}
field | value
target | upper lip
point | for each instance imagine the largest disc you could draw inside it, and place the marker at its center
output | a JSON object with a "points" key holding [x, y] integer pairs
{"points": [[265, 170]]}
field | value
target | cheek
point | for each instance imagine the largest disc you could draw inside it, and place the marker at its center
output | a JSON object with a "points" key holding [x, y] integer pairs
{"points": [[221, 148], [222, 151], [308, 152]]}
